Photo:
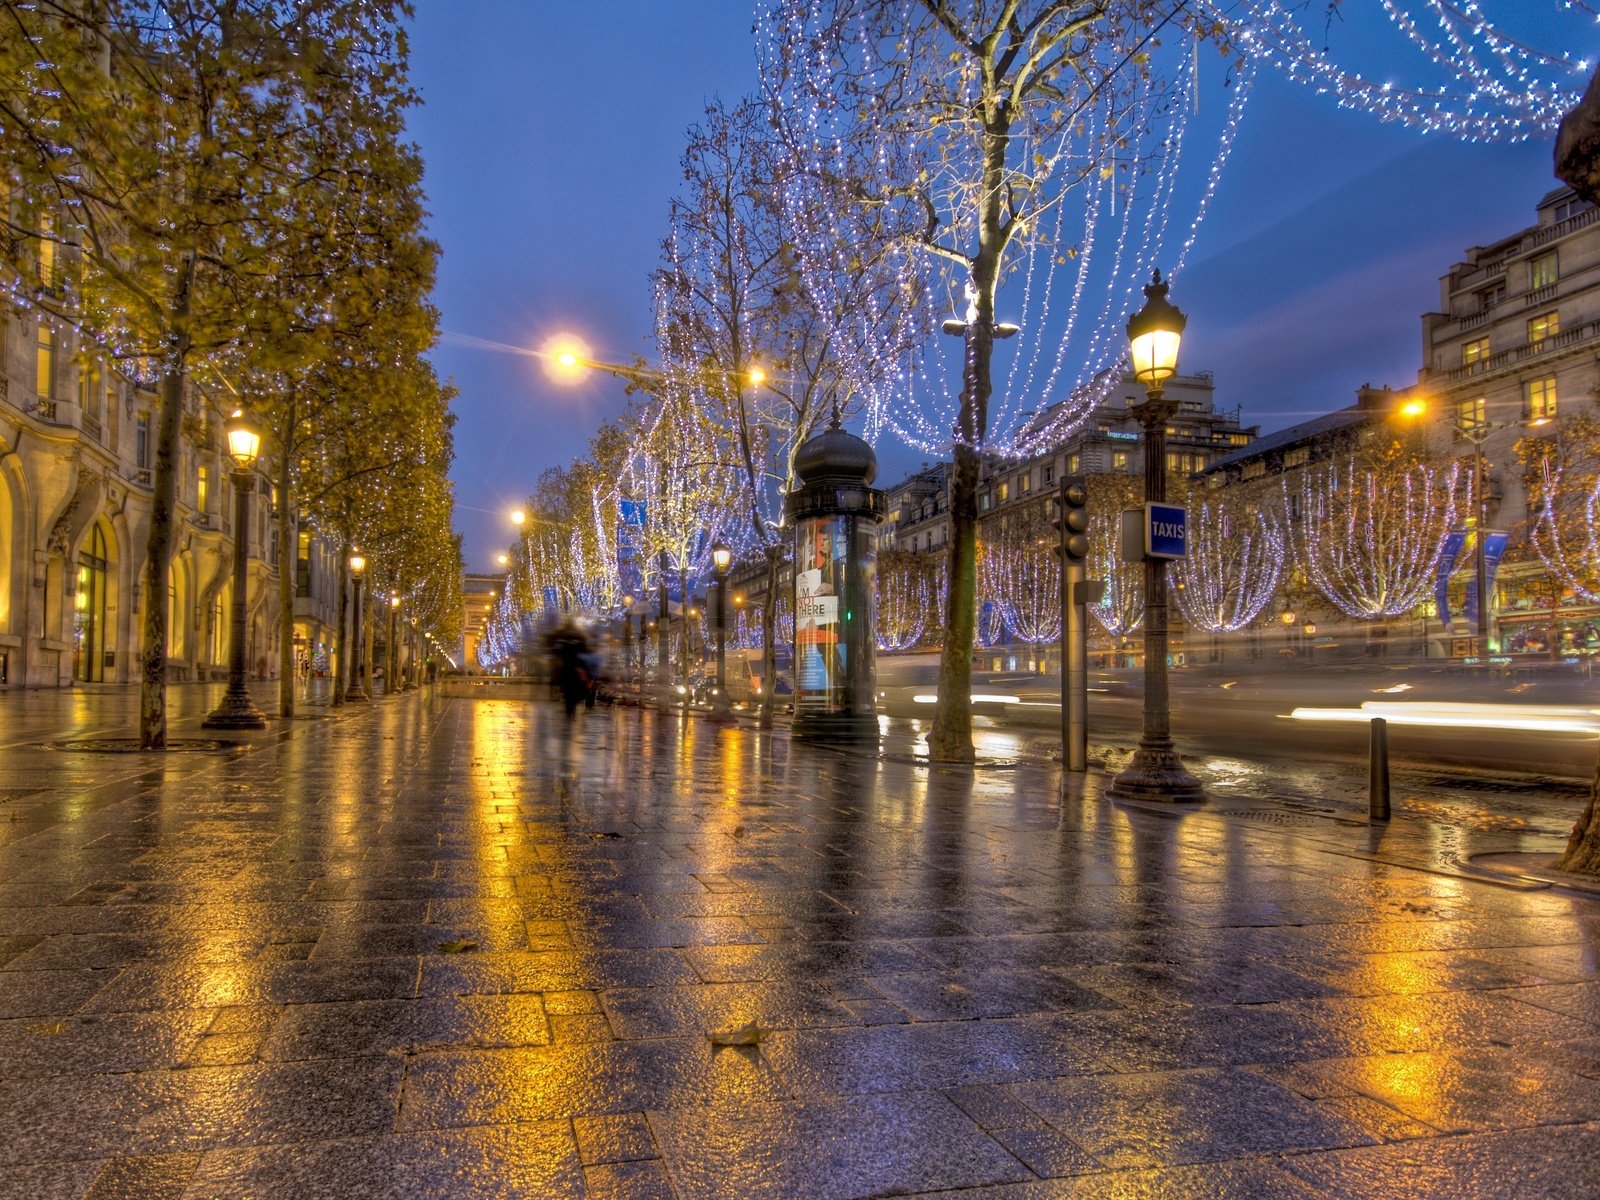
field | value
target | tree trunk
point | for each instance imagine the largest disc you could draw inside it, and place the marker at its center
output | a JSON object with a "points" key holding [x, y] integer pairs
{"points": [[158, 547], [1582, 854], [341, 661], [288, 570]]}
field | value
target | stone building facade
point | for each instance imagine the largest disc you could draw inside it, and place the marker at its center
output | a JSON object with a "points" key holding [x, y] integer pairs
{"points": [[77, 454]]}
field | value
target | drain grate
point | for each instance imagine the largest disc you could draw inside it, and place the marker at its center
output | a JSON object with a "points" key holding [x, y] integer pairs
{"points": [[1276, 816], [132, 746]]}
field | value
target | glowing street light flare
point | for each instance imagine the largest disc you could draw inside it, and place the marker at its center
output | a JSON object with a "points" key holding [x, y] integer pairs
{"points": [[1535, 718]]}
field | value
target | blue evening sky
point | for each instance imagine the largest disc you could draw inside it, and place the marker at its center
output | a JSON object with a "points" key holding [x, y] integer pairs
{"points": [[552, 132]]}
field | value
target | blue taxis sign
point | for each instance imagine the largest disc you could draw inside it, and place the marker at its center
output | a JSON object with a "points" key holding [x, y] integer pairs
{"points": [[1166, 530]]}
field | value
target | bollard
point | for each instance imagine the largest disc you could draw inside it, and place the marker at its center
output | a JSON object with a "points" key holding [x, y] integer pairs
{"points": [[1378, 772]]}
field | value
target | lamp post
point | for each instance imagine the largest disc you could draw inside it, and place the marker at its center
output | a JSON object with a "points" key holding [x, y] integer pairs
{"points": [[237, 710], [627, 635], [721, 559], [391, 652], [1156, 772], [355, 691]]}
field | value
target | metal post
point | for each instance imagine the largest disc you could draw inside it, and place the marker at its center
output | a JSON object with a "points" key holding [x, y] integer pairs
{"points": [[720, 703], [237, 710], [1480, 553], [1378, 772], [355, 691], [661, 623], [1156, 772], [391, 654]]}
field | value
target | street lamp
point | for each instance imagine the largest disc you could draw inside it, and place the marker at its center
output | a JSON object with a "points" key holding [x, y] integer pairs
{"points": [[237, 710], [721, 559], [391, 651], [355, 691], [1156, 772]]}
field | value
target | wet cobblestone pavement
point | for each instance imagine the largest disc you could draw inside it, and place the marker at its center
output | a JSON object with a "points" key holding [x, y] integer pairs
{"points": [[454, 948]]}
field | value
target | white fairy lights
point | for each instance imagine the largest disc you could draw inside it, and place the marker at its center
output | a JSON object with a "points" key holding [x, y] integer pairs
{"points": [[1369, 538], [1235, 561]]}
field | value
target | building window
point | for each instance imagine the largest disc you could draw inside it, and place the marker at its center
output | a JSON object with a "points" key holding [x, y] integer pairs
{"points": [[1298, 457], [1049, 474], [1002, 492], [1542, 271], [1025, 482], [1253, 470], [1541, 398], [1570, 208], [1471, 413], [44, 383], [1474, 351], [1239, 439], [1119, 460], [1545, 325], [47, 253], [1074, 464], [1491, 296], [141, 441], [983, 501], [202, 488]]}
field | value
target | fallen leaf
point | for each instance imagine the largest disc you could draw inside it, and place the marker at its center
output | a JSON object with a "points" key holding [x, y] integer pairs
{"points": [[458, 946], [748, 1034], [51, 1030]]}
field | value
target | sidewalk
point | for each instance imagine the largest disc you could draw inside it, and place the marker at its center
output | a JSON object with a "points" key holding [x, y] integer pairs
{"points": [[454, 948]]}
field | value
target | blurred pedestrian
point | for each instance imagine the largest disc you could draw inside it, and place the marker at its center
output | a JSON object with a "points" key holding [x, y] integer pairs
{"points": [[571, 668]]}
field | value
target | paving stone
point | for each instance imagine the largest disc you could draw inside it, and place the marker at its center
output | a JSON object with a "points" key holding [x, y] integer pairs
{"points": [[622, 1137], [1559, 1163], [492, 1163], [233, 965], [824, 1149], [1172, 1117], [144, 1177]]}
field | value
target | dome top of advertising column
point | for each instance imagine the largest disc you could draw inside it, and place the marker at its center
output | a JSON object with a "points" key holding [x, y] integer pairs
{"points": [[836, 456]]}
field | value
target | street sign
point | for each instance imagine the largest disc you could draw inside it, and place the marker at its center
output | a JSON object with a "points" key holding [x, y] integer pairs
{"points": [[1166, 530]]}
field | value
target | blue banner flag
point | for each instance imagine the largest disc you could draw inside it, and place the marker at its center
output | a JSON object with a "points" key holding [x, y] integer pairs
{"points": [[1453, 542]]}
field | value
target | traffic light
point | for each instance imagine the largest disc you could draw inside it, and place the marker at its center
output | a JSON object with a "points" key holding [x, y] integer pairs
{"points": [[1072, 519]]}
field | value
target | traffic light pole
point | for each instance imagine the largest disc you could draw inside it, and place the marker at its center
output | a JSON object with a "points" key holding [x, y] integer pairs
{"points": [[1072, 519]]}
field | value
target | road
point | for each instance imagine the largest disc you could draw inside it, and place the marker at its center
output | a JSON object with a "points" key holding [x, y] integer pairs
{"points": [[1247, 712]]}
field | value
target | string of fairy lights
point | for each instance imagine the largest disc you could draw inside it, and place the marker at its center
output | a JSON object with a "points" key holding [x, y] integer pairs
{"points": [[1234, 563], [1370, 540], [1108, 189]]}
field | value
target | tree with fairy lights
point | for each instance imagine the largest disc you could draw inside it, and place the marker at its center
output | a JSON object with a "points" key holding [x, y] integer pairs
{"points": [[1120, 608], [1234, 562], [1562, 476], [1020, 572], [680, 470], [770, 360], [943, 146], [908, 586], [1372, 525]]}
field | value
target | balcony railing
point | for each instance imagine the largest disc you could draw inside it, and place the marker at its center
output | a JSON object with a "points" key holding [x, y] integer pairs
{"points": [[1520, 354]]}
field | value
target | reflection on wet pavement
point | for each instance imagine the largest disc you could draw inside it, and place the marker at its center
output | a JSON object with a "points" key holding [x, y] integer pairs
{"points": [[470, 948]]}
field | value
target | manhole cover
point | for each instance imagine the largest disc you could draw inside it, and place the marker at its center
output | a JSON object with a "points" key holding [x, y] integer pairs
{"points": [[132, 746], [1276, 816]]}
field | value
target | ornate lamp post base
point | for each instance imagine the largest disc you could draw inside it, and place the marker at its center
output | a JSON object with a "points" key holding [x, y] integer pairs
{"points": [[237, 711], [1156, 773]]}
